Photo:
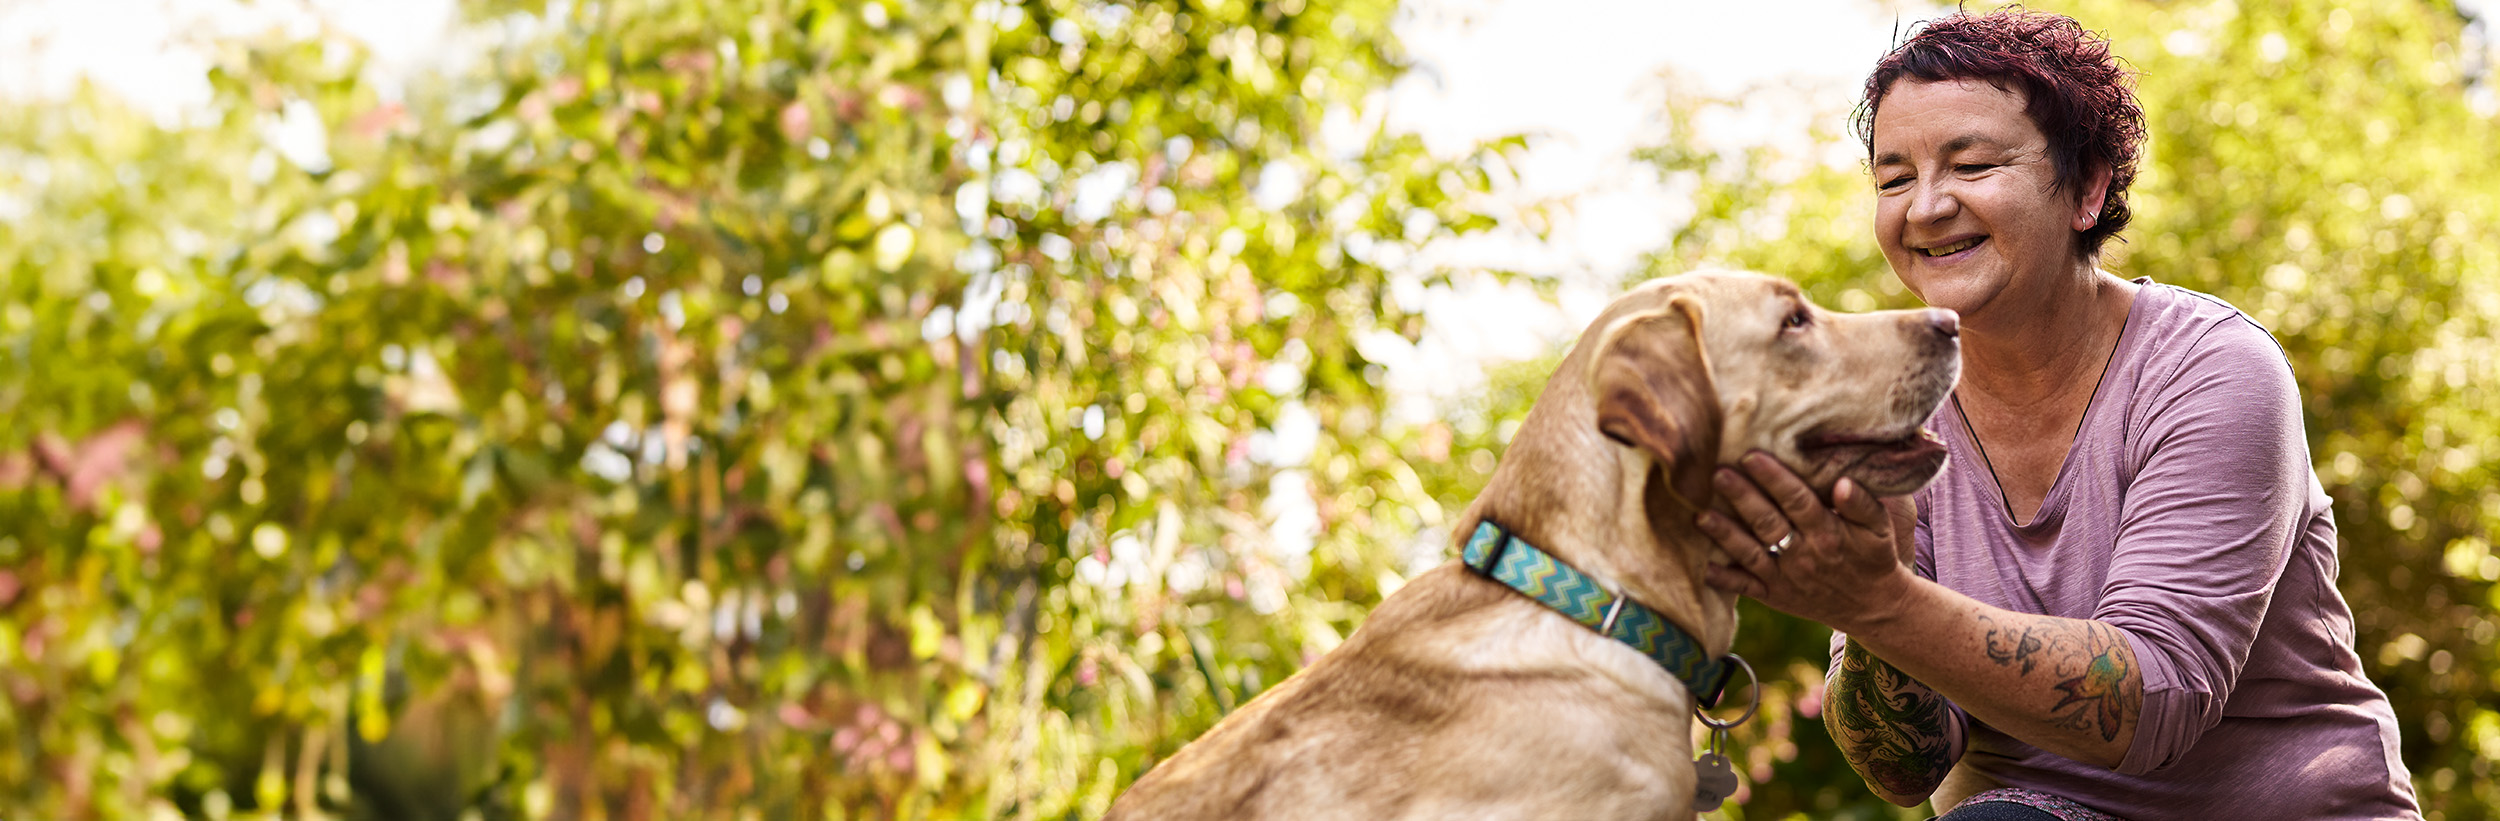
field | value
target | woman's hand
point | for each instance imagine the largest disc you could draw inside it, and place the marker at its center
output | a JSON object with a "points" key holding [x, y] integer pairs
{"points": [[2068, 686], [1841, 565]]}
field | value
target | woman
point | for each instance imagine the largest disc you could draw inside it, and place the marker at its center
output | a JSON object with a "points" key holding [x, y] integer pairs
{"points": [[2119, 600]]}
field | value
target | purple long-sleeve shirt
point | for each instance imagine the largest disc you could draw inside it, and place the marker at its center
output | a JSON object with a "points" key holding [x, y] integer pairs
{"points": [[2186, 515]]}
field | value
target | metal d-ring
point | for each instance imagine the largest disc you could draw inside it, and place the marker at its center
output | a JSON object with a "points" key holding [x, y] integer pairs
{"points": [[1715, 724]]}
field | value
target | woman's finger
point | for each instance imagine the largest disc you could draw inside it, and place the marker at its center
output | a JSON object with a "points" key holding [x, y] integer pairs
{"points": [[1853, 503], [1740, 545], [1798, 505], [1734, 580], [1758, 511]]}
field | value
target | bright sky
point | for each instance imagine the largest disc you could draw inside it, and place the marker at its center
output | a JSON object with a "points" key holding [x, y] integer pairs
{"points": [[154, 52], [1588, 80]]}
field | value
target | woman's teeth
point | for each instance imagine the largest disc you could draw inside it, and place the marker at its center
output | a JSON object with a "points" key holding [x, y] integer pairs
{"points": [[1949, 250]]}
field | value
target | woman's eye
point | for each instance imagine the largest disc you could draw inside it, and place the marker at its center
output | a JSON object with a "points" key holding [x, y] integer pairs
{"points": [[1893, 183], [1974, 168]]}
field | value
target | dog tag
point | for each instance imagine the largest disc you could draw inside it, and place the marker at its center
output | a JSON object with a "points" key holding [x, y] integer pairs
{"points": [[1713, 781]]}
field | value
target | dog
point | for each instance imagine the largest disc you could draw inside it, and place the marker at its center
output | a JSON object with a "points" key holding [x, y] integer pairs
{"points": [[1460, 697]]}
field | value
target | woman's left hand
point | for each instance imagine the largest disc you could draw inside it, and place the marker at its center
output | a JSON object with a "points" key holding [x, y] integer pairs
{"points": [[1841, 565]]}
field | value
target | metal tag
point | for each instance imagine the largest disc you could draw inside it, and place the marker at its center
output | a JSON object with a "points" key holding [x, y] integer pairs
{"points": [[1713, 781]]}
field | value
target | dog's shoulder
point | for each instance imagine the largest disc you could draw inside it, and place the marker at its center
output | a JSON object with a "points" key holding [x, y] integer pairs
{"points": [[1307, 735], [1448, 660]]}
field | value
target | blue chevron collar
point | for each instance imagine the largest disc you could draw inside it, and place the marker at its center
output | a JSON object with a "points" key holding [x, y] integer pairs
{"points": [[1496, 554]]}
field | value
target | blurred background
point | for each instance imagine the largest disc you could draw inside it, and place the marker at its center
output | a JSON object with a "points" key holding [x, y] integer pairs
{"points": [[833, 409]]}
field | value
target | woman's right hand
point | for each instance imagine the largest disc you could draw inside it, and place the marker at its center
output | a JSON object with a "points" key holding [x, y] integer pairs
{"points": [[1840, 565]]}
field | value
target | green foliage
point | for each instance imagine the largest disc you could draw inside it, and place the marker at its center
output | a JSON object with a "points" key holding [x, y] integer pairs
{"points": [[699, 410]]}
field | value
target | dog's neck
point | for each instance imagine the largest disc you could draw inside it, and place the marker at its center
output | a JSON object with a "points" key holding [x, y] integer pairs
{"points": [[1643, 544]]}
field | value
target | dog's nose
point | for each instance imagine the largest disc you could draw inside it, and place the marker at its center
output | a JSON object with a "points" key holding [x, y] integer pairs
{"points": [[1947, 323]]}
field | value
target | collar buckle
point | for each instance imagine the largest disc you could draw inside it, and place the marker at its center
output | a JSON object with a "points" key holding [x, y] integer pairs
{"points": [[1613, 611]]}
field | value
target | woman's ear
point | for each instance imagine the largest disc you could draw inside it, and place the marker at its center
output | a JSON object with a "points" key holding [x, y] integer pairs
{"points": [[2094, 195]]}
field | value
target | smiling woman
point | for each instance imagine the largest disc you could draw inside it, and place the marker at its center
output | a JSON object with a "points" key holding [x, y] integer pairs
{"points": [[2134, 563], [1968, 199]]}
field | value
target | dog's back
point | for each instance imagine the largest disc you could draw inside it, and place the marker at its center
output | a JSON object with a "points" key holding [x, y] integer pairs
{"points": [[1431, 710]]}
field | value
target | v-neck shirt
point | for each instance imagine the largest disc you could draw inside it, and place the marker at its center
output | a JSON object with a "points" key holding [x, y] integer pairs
{"points": [[2186, 515]]}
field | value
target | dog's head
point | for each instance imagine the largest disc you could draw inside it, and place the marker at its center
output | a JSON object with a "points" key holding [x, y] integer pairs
{"points": [[1697, 370], [1690, 372]]}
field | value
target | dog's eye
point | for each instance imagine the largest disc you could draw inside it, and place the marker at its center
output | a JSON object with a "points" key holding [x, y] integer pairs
{"points": [[1796, 319]]}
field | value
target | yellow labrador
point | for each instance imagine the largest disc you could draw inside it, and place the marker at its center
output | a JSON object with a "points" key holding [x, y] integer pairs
{"points": [[1460, 697]]}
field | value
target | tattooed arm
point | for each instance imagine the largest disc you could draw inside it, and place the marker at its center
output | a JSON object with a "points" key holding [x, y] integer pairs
{"points": [[2068, 686], [1900, 736]]}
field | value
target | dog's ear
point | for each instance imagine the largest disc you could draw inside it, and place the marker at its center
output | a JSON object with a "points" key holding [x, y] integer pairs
{"points": [[1654, 390]]}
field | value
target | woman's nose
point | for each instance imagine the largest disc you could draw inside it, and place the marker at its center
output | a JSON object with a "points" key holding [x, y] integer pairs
{"points": [[1932, 203]]}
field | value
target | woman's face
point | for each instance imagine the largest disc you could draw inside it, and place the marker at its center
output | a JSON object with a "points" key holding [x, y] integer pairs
{"points": [[1966, 206]]}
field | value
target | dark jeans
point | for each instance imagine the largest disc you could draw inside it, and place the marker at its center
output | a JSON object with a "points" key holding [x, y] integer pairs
{"points": [[1996, 811]]}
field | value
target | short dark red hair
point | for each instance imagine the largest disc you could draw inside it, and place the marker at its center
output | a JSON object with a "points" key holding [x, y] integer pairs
{"points": [[2075, 90]]}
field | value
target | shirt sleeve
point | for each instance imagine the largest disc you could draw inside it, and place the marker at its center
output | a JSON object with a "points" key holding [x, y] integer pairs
{"points": [[2205, 532]]}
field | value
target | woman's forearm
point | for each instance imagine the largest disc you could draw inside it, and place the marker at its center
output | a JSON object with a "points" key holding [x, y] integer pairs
{"points": [[2068, 686], [1899, 735]]}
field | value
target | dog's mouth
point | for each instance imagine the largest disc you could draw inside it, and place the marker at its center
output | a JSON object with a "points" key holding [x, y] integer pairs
{"points": [[1887, 463]]}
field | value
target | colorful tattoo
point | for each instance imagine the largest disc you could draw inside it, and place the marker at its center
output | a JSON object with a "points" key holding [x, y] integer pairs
{"points": [[1901, 736], [2100, 694], [2091, 665]]}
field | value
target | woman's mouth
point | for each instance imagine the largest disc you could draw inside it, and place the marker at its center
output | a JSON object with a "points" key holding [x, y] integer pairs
{"points": [[1951, 249]]}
